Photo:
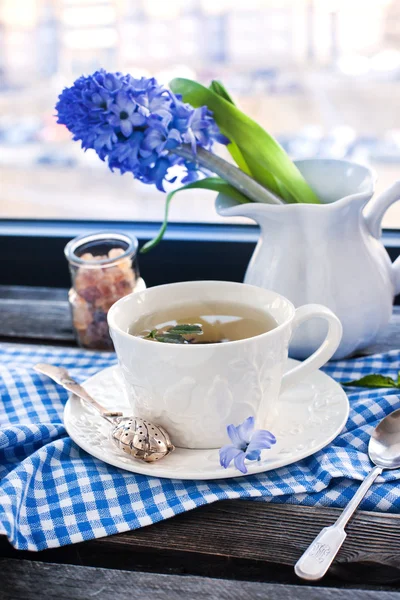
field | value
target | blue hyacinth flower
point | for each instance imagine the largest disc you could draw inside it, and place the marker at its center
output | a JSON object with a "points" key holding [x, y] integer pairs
{"points": [[124, 114], [134, 124], [246, 444]]}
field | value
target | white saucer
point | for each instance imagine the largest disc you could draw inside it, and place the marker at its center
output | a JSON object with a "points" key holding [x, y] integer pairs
{"points": [[311, 415]]}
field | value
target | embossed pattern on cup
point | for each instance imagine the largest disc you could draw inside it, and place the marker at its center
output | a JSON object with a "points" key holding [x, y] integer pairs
{"points": [[194, 392]]}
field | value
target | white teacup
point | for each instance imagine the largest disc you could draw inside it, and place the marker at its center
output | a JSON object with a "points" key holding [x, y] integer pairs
{"points": [[195, 391]]}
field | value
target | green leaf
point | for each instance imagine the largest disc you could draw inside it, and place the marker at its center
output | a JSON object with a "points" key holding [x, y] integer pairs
{"points": [[260, 150], [263, 176], [209, 183], [183, 329], [165, 336], [260, 174], [175, 335], [375, 380], [238, 157], [218, 88], [151, 335], [398, 379], [170, 339]]}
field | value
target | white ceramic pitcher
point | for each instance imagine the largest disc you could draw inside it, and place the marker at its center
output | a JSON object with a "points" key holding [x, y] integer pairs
{"points": [[329, 254]]}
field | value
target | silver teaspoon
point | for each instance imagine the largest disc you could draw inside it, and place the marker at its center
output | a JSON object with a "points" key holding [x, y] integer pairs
{"points": [[384, 452], [137, 437]]}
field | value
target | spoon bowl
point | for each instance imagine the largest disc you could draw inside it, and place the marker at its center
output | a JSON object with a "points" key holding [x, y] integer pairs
{"points": [[384, 445]]}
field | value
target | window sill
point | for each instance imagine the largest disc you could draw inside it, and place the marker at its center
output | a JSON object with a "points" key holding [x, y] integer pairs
{"points": [[31, 252]]}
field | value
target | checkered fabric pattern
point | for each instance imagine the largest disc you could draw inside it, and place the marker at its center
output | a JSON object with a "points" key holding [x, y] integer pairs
{"points": [[52, 493]]}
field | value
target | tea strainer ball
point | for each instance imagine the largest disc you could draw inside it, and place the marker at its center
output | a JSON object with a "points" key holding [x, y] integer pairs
{"points": [[137, 437], [141, 439]]}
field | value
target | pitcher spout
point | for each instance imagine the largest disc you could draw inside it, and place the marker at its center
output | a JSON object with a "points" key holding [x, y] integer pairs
{"points": [[228, 207]]}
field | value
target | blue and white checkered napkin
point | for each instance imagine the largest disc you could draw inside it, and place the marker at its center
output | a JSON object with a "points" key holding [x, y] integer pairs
{"points": [[52, 493]]}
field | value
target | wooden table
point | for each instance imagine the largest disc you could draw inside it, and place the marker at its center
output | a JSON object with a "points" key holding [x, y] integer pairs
{"points": [[231, 549]]}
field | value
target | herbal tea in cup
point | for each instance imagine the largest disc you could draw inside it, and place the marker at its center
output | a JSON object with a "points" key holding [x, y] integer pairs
{"points": [[237, 367], [203, 323]]}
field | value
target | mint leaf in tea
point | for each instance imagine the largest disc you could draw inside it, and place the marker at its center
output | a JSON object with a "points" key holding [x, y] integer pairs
{"points": [[180, 334], [203, 323]]}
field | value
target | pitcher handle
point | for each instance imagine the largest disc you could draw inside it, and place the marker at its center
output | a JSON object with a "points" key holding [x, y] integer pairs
{"points": [[376, 208], [326, 350], [374, 213]]}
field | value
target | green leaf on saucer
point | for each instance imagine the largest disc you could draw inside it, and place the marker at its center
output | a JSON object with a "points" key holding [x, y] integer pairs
{"points": [[375, 380]]}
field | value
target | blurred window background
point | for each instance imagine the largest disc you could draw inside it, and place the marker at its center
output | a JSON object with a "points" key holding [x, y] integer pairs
{"points": [[322, 75]]}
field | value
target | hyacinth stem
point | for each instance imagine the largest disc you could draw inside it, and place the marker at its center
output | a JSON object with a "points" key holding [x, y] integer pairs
{"points": [[237, 178]]}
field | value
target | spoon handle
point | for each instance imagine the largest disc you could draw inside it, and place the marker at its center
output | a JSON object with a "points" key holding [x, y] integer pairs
{"points": [[347, 513], [318, 557], [62, 377]]}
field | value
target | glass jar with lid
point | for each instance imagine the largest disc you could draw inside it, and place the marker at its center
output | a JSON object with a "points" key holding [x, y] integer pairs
{"points": [[104, 268]]}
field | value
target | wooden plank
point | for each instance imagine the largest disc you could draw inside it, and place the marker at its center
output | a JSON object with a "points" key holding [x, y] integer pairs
{"points": [[24, 580], [40, 314], [244, 527], [252, 537], [19, 292]]}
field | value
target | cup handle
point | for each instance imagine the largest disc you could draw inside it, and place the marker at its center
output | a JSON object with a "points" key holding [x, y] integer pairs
{"points": [[326, 349]]}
